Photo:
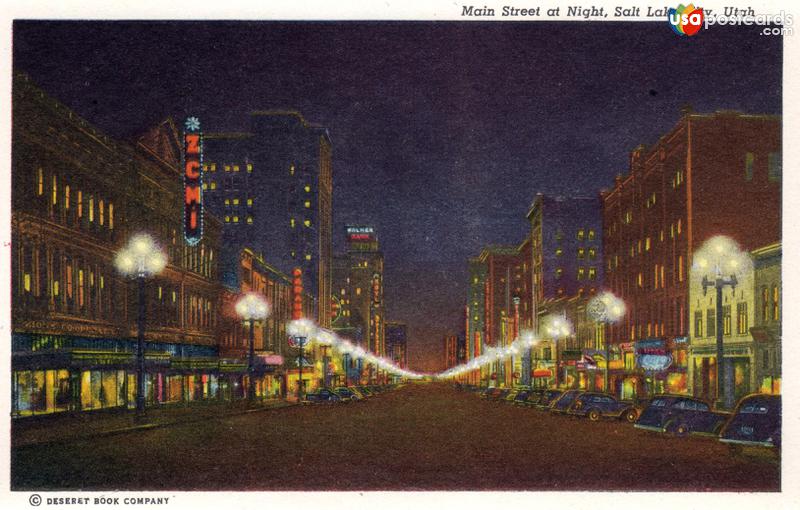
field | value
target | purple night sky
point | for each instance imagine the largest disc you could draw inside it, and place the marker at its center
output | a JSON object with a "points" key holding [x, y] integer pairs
{"points": [[442, 132]]}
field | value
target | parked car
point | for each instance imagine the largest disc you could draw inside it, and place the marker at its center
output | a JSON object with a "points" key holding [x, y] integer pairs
{"points": [[561, 406], [511, 395], [595, 405], [520, 397], [547, 398], [347, 393], [322, 396], [491, 393], [681, 415], [366, 391], [532, 398], [502, 394], [755, 422]]}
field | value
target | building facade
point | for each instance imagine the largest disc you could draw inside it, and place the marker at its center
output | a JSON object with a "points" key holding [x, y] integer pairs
{"points": [[397, 343], [450, 351], [272, 187], [77, 198], [691, 185]]}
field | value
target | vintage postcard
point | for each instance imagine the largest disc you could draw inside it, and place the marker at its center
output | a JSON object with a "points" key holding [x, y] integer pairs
{"points": [[338, 250]]}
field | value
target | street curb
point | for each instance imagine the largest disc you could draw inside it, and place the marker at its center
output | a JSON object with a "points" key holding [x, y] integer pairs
{"points": [[147, 426]]}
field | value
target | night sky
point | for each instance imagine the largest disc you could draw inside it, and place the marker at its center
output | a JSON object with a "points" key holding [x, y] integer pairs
{"points": [[443, 132]]}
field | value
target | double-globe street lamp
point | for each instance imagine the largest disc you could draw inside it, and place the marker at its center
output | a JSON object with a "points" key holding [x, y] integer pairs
{"points": [[557, 328], [141, 259], [723, 256], [605, 309], [252, 307]]}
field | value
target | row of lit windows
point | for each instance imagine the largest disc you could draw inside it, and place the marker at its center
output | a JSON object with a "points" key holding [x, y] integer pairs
{"points": [[582, 273], [774, 166], [89, 206], [235, 219], [727, 325], [293, 223], [236, 201], [212, 167]]}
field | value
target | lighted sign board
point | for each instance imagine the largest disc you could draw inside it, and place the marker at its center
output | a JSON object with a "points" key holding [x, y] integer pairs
{"points": [[192, 181], [355, 233], [654, 362], [297, 293]]}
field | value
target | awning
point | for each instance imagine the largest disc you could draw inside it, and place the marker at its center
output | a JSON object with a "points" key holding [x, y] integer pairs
{"points": [[542, 372]]}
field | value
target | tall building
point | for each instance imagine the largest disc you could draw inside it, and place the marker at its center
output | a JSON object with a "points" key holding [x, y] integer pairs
{"points": [[77, 198], [397, 343], [712, 174], [272, 187]]}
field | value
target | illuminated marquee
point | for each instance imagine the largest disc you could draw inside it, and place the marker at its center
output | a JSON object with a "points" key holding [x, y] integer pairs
{"points": [[297, 293], [192, 181]]}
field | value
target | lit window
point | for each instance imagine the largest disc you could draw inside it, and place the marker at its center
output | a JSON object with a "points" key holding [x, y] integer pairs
{"points": [[774, 166], [581, 234], [307, 223], [680, 268], [55, 191], [235, 201], [591, 235], [679, 227], [581, 273], [249, 168], [227, 168], [80, 204], [592, 273], [213, 185], [559, 251], [213, 167], [581, 253], [227, 201], [227, 219], [41, 181], [358, 291], [174, 296], [592, 253], [66, 197], [647, 244], [102, 210], [559, 272], [308, 204], [249, 202], [308, 256], [236, 219], [307, 189], [205, 186], [91, 209], [235, 168], [291, 222], [249, 220], [291, 170]]}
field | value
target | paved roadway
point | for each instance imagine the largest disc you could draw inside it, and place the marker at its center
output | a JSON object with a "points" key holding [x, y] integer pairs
{"points": [[420, 437]]}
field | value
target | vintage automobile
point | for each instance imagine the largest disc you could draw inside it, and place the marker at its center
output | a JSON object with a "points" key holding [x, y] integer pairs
{"points": [[755, 422], [681, 415], [347, 393], [531, 399], [490, 393], [322, 396], [520, 397], [596, 405], [547, 398], [561, 406]]}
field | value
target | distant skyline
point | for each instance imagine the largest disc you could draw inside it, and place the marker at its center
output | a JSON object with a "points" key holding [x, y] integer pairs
{"points": [[442, 132]]}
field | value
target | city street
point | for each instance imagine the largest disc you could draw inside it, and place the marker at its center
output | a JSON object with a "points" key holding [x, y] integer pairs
{"points": [[421, 436]]}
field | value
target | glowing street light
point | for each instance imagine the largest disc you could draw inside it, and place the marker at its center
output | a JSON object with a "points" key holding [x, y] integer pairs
{"points": [[140, 259], [722, 257], [252, 307], [557, 327], [300, 331], [606, 308]]}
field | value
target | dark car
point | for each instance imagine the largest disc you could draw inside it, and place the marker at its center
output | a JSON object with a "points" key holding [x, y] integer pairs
{"points": [[756, 422], [681, 415], [561, 406], [532, 398], [490, 393], [323, 396], [501, 395], [511, 395], [366, 391], [521, 397], [547, 398], [347, 394], [595, 405]]}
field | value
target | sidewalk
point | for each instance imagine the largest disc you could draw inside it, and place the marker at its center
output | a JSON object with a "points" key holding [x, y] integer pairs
{"points": [[67, 427]]}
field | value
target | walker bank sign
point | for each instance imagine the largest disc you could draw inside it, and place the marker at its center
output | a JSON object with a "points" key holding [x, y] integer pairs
{"points": [[192, 181]]}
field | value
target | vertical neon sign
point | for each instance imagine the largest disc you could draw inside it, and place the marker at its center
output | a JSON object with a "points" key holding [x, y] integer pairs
{"points": [[192, 181]]}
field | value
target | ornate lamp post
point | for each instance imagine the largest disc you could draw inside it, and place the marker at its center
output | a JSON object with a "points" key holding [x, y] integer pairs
{"points": [[300, 330], [140, 259], [557, 328], [252, 307], [606, 308], [722, 256]]}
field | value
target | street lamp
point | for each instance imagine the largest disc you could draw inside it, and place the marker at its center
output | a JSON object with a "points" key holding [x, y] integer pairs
{"points": [[299, 331], [606, 308], [140, 259], [557, 328], [252, 307], [723, 256], [529, 341]]}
